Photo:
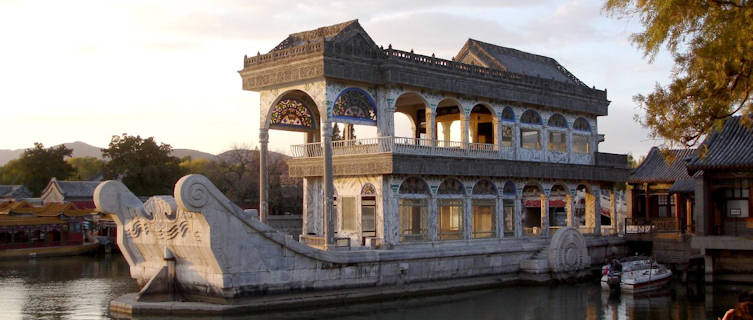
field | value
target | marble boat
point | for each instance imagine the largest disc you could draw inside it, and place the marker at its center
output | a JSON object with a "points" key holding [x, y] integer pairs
{"points": [[200, 248]]}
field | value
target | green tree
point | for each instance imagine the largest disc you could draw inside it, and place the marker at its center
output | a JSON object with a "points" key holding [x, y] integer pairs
{"points": [[144, 166], [86, 167], [36, 166], [712, 45]]}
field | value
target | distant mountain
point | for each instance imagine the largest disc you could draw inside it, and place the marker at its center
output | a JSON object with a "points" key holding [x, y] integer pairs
{"points": [[230, 155], [83, 149]]}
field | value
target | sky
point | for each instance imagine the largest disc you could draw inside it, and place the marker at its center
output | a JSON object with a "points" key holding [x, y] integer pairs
{"points": [[88, 70]]}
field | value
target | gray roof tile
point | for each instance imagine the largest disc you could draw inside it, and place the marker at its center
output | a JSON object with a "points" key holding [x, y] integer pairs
{"points": [[729, 148], [656, 169]]}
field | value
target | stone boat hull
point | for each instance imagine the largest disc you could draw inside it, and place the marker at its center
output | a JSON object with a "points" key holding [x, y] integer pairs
{"points": [[200, 247]]}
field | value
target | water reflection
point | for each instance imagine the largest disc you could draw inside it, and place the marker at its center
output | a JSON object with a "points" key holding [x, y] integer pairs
{"points": [[82, 287], [65, 287]]}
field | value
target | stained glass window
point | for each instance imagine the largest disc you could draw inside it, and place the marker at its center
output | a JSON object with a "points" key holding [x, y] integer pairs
{"points": [[530, 117], [581, 124], [557, 120], [354, 103], [290, 112], [509, 188], [368, 189]]}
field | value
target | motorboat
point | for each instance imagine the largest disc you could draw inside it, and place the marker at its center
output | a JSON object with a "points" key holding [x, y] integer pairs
{"points": [[635, 275]]}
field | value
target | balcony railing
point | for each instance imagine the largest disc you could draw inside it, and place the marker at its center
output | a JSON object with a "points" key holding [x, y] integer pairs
{"points": [[404, 145]]}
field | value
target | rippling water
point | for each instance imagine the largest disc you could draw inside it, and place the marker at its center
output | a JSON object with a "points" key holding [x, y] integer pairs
{"points": [[82, 287]]}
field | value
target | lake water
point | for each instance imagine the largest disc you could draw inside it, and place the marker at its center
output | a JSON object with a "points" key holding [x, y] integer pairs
{"points": [[82, 287]]}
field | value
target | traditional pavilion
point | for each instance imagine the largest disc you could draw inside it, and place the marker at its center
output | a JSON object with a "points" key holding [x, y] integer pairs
{"points": [[494, 143]]}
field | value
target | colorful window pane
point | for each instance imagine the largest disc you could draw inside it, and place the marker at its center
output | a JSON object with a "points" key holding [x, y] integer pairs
{"points": [[557, 120], [581, 124], [484, 187], [291, 112], [353, 103], [530, 117], [451, 186], [413, 185], [508, 114]]}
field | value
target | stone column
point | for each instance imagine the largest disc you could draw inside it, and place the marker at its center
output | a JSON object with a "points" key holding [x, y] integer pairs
{"points": [[613, 211], [499, 217], [446, 132], [569, 143], [498, 133], [431, 125], [329, 222], [569, 207], [545, 142], [597, 212], [432, 223], [518, 209], [544, 197], [263, 176], [464, 130], [467, 218], [385, 115], [516, 141]]}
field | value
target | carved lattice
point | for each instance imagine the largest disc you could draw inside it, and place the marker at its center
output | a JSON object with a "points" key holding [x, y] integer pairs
{"points": [[557, 120], [368, 189], [291, 113], [581, 124], [484, 187], [354, 103], [450, 186], [413, 185], [530, 117]]}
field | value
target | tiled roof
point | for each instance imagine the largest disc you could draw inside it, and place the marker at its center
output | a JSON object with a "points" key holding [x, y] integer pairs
{"points": [[730, 148], [655, 169], [74, 189], [328, 32], [683, 186], [15, 191], [522, 62]]}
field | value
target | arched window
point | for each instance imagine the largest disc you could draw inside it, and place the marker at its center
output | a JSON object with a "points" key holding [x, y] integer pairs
{"points": [[450, 186], [483, 210], [581, 132], [450, 210], [557, 138], [530, 117], [354, 105], [368, 211], [413, 210], [509, 189], [557, 121], [581, 124], [508, 208], [532, 209], [508, 114], [413, 185], [291, 113], [557, 206]]}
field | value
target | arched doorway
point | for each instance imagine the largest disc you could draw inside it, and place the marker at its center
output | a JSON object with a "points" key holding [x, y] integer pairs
{"points": [[354, 116], [482, 126], [411, 112], [558, 198], [508, 205]]}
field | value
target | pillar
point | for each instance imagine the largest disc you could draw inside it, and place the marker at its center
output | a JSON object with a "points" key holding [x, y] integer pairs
{"points": [[329, 223], [516, 140], [431, 125], [518, 211], [612, 211], [385, 115], [263, 176], [544, 197], [688, 216], [597, 212], [569, 207], [433, 218], [499, 217], [446, 131], [464, 129], [467, 218], [647, 205], [678, 221]]}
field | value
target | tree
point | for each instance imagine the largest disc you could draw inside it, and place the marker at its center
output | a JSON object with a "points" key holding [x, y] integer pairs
{"points": [[145, 167], [712, 46], [86, 168], [36, 166]]}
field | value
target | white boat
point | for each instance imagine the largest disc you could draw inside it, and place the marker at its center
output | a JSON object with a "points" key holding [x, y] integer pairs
{"points": [[635, 275]]}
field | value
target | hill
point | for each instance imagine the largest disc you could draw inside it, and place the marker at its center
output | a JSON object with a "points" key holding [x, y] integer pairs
{"points": [[83, 149]]}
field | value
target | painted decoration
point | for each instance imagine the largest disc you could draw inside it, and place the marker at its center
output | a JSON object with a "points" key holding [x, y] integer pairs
{"points": [[291, 113], [355, 104]]}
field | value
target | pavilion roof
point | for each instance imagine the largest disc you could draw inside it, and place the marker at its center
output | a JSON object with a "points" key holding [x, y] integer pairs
{"points": [[728, 148], [655, 167]]}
